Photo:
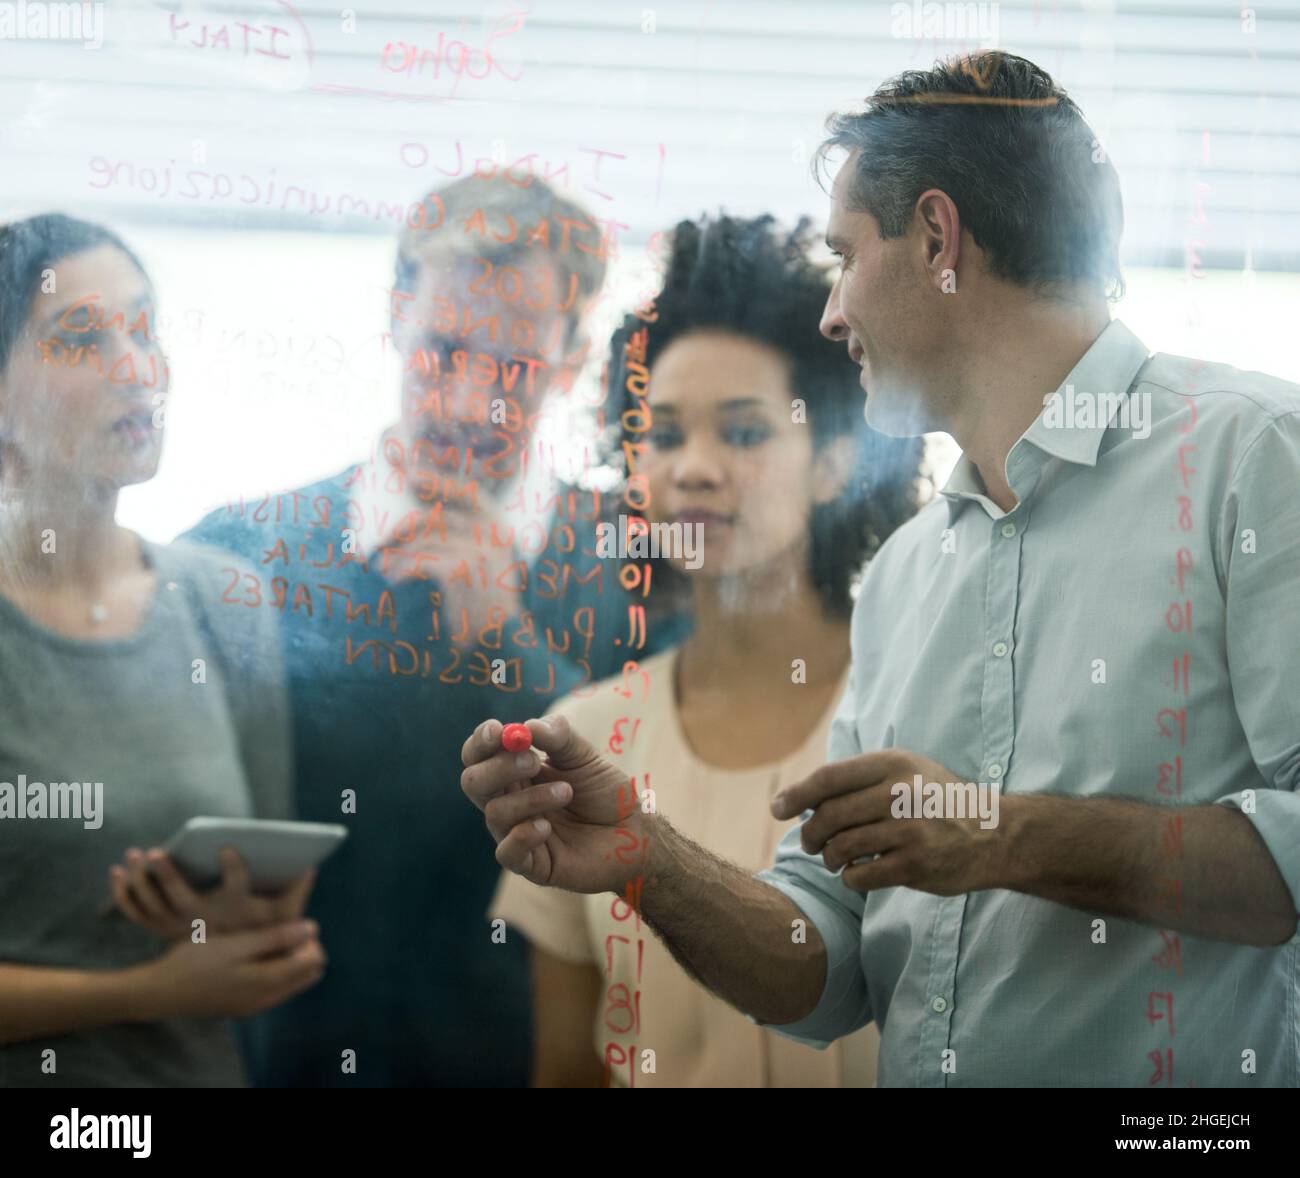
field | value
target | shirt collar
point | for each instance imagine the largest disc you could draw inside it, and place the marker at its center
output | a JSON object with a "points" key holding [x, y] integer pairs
{"points": [[1108, 366]]}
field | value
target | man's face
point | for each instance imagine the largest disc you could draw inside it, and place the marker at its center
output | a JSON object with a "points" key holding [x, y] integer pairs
{"points": [[479, 343], [879, 307]]}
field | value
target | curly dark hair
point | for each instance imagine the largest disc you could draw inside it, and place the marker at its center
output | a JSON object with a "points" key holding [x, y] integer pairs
{"points": [[751, 277]]}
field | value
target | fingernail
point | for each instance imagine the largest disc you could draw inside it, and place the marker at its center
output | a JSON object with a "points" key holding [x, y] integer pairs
{"points": [[526, 761], [543, 827], [560, 790]]}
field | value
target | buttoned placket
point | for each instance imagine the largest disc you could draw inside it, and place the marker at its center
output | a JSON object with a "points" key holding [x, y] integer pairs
{"points": [[997, 730]]}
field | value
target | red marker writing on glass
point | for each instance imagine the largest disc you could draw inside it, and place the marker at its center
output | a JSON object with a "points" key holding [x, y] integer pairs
{"points": [[515, 738]]}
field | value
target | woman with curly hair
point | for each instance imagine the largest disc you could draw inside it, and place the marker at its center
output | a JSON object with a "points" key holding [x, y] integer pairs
{"points": [[756, 435]]}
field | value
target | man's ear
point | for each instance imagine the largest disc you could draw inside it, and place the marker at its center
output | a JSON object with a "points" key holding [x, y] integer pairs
{"points": [[833, 467]]}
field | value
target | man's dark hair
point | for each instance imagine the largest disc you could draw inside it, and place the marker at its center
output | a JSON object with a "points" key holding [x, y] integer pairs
{"points": [[750, 278], [1011, 149], [29, 248]]}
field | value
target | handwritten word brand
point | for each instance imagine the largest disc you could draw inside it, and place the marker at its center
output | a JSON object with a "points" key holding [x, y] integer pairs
{"points": [[88, 1131], [1088, 410], [22, 21], [952, 799], [637, 540]]}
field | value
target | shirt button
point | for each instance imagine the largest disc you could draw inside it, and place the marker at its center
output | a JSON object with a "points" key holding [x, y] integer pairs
{"points": [[940, 1005], [995, 772], [1008, 530], [999, 649]]}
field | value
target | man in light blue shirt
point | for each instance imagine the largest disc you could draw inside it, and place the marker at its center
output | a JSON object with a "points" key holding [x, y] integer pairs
{"points": [[1058, 842], [1043, 648]]}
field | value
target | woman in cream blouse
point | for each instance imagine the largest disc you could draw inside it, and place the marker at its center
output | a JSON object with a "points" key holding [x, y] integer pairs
{"points": [[756, 433]]}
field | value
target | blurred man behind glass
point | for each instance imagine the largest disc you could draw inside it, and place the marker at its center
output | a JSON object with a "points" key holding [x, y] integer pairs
{"points": [[405, 585]]}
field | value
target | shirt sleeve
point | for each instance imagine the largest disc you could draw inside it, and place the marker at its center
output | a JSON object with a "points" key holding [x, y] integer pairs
{"points": [[833, 909], [1260, 554], [550, 918]]}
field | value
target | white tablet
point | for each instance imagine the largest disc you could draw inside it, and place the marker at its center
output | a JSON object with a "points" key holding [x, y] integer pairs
{"points": [[275, 853]]}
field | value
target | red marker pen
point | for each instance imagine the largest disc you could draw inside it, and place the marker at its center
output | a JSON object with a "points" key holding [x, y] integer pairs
{"points": [[515, 738]]}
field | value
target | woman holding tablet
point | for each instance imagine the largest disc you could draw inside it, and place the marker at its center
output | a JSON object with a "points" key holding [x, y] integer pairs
{"points": [[756, 434], [131, 700]]}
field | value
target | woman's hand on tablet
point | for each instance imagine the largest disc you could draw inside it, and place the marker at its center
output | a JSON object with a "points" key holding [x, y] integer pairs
{"points": [[152, 893], [232, 975]]}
